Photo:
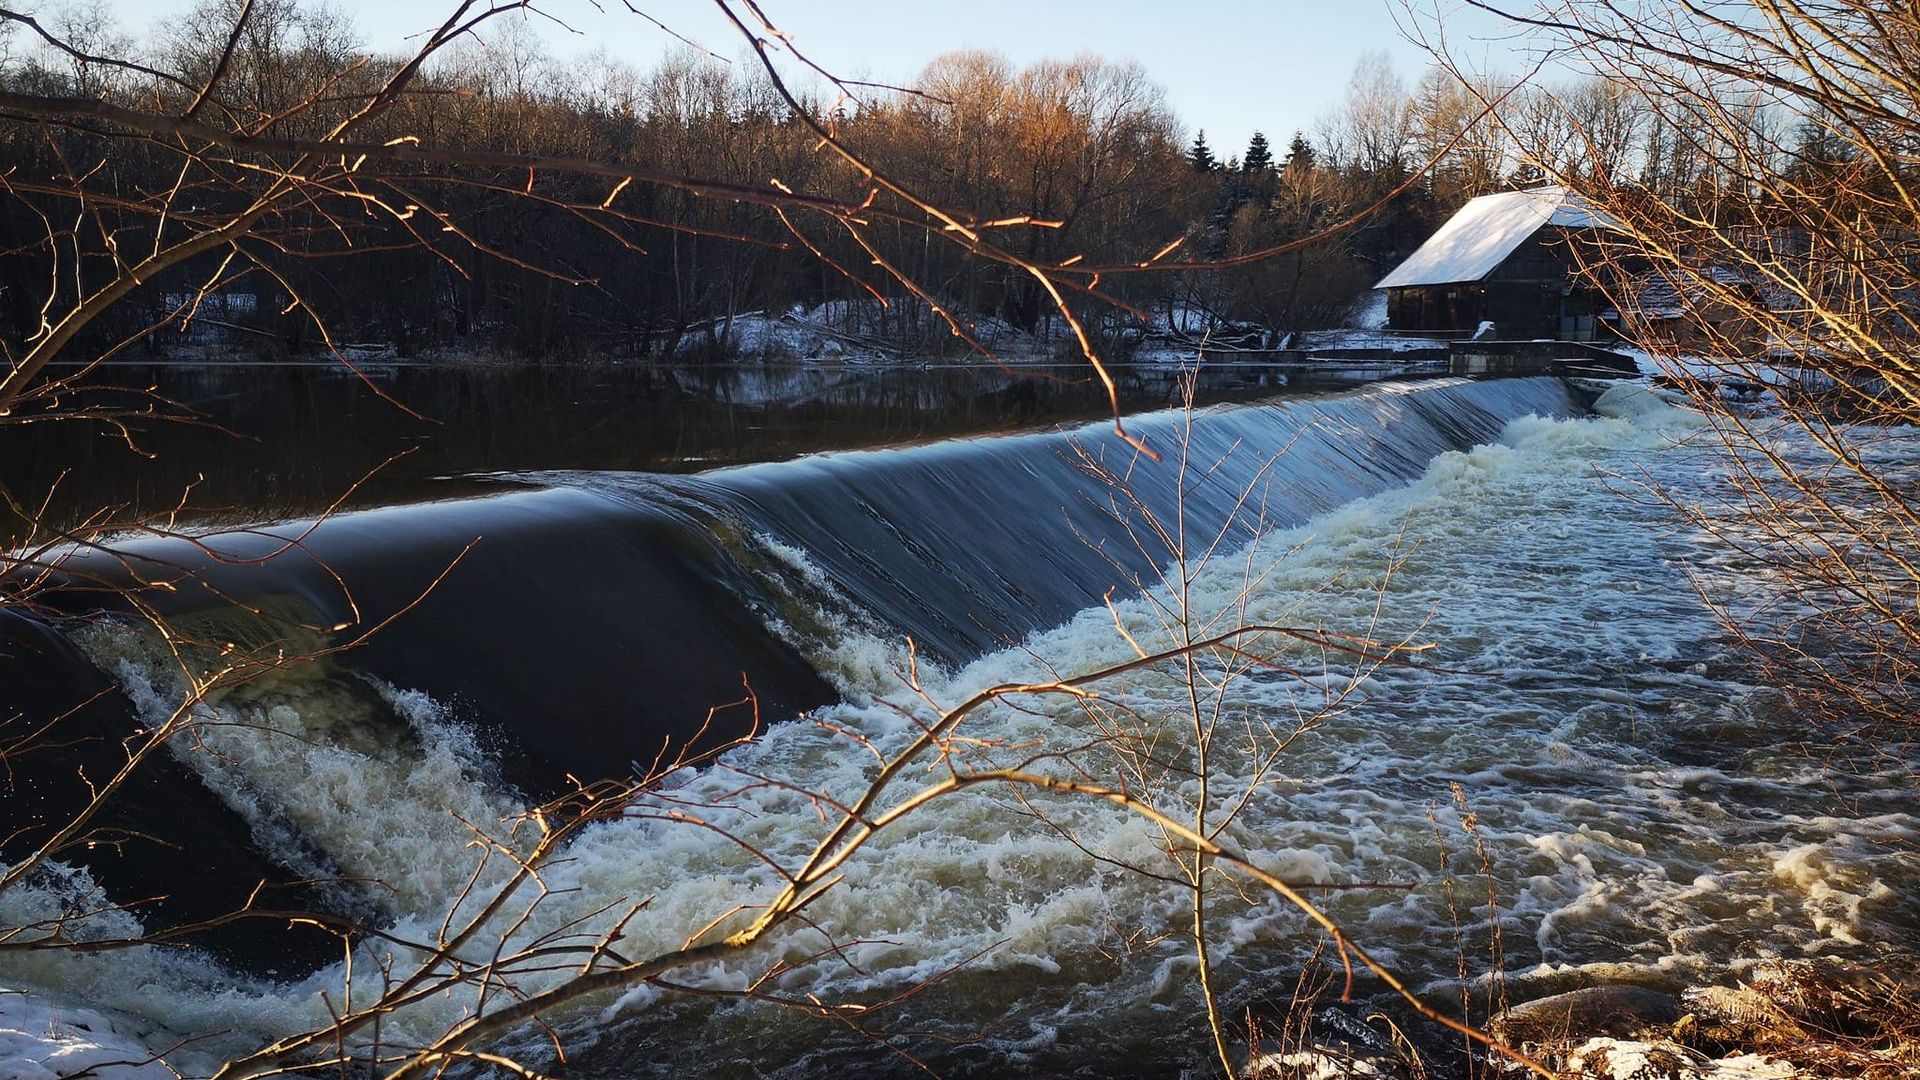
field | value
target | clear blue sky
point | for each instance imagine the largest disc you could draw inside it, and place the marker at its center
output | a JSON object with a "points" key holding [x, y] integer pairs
{"points": [[1229, 66]]}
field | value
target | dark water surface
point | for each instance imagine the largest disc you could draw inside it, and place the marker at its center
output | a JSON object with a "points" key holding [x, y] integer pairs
{"points": [[297, 437]]}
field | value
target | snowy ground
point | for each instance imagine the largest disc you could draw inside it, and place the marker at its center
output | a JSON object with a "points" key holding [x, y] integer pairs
{"points": [[1370, 313], [858, 333], [40, 1040], [1628, 1059], [1361, 338], [1745, 381], [866, 333]]}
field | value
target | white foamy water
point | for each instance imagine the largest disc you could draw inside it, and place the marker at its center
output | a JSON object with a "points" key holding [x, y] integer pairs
{"points": [[1636, 801]]}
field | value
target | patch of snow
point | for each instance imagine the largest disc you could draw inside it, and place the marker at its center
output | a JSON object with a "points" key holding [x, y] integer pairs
{"points": [[1311, 1065], [862, 331], [1369, 312], [1746, 381], [1694, 366], [1627, 1059], [1364, 338], [1576, 214], [1186, 319], [1165, 352], [43, 1041]]}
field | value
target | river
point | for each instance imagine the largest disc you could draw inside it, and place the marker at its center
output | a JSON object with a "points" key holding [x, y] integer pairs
{"points": [[1643, 808]]}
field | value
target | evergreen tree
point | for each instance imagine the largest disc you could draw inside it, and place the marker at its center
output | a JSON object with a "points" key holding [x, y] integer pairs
{"points": [[1821, 152], [1259, 156], [1200, 155], [1300, 155]]}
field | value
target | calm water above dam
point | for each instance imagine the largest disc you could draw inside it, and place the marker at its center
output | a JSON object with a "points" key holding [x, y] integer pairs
{"points": [[1648, 809], [285, 440]]}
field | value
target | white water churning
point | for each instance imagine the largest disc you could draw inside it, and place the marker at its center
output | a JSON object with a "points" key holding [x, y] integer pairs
{"points": [[1642, 807]]}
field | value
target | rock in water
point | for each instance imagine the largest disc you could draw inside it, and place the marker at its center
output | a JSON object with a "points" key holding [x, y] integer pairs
{"points": [[1578, 1015]]}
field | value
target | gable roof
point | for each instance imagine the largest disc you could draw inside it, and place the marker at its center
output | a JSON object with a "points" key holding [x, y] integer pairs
{"points": [[1487, 230]]}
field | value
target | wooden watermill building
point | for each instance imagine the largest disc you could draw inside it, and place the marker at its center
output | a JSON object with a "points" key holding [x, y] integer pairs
{"points": [[1510, 260]]}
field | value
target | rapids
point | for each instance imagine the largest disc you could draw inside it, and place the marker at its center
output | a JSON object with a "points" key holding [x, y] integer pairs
{"points": [[1647, 811]]}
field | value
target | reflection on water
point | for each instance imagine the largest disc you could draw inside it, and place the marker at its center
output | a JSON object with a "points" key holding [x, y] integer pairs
{"points": [[299, 436]]}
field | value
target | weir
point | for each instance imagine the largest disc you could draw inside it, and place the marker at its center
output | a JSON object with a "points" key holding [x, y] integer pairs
{"points": [[585, 622], [582, 623], [971, 545]]}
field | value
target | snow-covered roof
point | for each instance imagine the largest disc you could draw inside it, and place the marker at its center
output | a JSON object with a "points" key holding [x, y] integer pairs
{"points": [[1671, 295], [1487, 230]]}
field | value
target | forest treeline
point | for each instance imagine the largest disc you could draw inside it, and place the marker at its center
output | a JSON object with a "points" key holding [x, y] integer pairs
{"points": [[1078, 157]]}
